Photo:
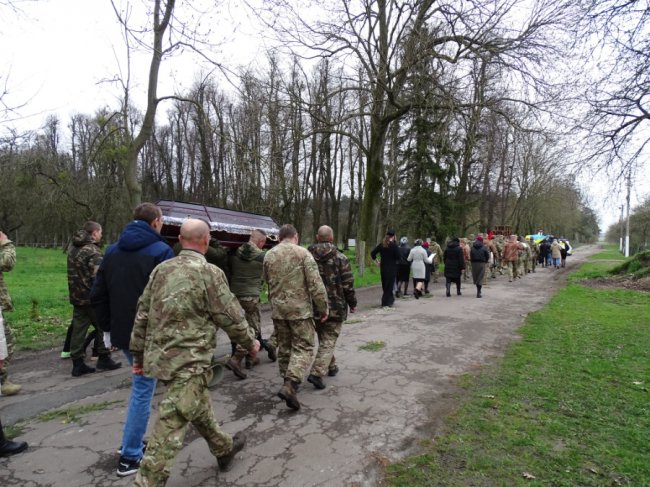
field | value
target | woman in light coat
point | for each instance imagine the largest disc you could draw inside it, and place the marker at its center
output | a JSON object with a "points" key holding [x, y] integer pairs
{"points": [[418, 258]]}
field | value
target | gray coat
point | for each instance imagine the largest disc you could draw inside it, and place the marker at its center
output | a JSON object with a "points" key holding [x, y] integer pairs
{"points": [[418, 257]]}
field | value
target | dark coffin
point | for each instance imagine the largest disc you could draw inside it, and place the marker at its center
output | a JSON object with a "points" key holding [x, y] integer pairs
{"points": [[231, 228]]}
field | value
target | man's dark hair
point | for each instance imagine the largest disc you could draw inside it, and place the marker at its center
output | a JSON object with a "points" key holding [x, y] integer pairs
{"points": [[287, 231], [90, 227], [147, 212]]}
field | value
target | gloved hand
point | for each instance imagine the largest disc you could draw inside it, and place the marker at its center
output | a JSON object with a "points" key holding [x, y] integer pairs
{"points": [[107, 339]]}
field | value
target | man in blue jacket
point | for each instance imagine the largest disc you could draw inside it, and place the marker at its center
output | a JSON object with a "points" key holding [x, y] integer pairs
{"points": [[121, 278]]}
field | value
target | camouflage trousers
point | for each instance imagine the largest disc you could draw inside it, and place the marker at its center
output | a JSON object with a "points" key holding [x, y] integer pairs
{"points": [[533, 263], [185, 401], [251, 307], [513, 269], [328, 333], [8, 341], [295, 347], [468, 270]]}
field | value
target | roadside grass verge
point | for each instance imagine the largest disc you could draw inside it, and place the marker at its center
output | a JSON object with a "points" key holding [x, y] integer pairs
{"points": [[567, 405], [38, 287]]}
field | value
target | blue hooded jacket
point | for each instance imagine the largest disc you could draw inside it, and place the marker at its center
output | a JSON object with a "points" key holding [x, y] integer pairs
{"points": [[123, 275]]}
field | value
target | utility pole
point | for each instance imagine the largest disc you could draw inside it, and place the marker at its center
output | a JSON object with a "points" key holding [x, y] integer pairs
{"points": [[620, 224], [627, 225]]}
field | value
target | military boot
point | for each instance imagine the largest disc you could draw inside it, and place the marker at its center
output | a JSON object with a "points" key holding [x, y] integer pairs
{"points": [[80, 368], [8, 447], [238, 442], [316, 381], [448, 286], [478, 291], [9, 389], [105, 362], [234, 363], [288, 394]]}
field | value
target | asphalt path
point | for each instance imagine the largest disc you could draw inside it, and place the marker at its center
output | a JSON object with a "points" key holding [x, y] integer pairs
{"points": [[376, 410]]}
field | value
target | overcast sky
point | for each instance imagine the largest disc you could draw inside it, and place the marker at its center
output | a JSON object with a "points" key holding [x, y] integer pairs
{"points": [[59, 52]]}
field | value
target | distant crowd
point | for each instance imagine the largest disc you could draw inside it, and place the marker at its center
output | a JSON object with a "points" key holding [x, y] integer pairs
{"points": [[475, 256]]}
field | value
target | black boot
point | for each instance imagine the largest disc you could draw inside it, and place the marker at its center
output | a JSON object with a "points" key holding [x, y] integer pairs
{"points": [[80, 368], [448, 285], [478, 290], [238, 443], [458, 288], [8, 447], [105, 362]]}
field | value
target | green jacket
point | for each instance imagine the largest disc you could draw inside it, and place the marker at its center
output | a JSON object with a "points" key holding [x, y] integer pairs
{"points": [[7, 262], [184, 303], [246, 271], [294, 283], [334, 268]]}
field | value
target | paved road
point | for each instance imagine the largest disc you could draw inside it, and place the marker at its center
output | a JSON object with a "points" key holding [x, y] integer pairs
{"points": [[376, 409]]}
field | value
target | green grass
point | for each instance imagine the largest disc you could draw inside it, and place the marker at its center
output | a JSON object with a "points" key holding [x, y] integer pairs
{"points": [[373, 346], [39, 289], [73, 414], [609, 252], [568, 405]]}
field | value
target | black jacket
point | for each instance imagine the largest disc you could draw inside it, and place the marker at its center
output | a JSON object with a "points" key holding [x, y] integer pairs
{"points": [[478, 252], [454, 259], [122, 277], [389, 256]]}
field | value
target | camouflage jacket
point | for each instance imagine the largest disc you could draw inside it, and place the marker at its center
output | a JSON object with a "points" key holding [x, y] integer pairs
{"points": [[7, 262], [294, 283], [84, 258], [435, 248], [183, 304], [511, 252], [336, 273], [246, 271]]}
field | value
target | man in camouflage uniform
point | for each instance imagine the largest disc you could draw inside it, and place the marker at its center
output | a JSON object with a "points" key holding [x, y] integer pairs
{"points": [[174, 336], [524, 256], [7, 340], [534, 251], [246, 285], [511, 257], [437, 258], [84, 258], [294, 284], [499, 243], [336, 273], [465, 245]]}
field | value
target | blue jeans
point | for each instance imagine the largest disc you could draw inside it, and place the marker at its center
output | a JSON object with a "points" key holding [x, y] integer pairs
{"points": [[137, 416]]}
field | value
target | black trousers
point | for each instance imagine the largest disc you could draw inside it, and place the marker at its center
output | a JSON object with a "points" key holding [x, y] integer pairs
{"points": [[387, 283]]}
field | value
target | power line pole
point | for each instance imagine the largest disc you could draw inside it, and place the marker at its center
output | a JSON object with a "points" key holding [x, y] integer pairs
{"points": [[620, 224], [627, 225]]}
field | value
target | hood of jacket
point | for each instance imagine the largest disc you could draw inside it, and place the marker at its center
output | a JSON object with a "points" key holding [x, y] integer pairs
{"points": [[82, 238], [323, 250], [477, 244], [453, 243], [248, 251], [136, 235]]}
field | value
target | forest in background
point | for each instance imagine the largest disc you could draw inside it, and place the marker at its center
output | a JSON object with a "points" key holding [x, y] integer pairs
{"points": [[423, 116]]}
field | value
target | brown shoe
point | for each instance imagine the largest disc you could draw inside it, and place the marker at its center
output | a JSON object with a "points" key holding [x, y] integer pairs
{"points": [[238, 442], [9, 389], [288, 394], [235, 364]]}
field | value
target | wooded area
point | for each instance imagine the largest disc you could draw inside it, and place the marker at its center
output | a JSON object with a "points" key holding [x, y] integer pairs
{"points": [[435, 118]]}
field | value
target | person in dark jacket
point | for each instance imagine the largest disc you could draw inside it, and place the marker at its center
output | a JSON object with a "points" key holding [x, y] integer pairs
{"points": [[390, 255], [403, 267], [429, 267], [121, 278], [454, 264], [479, 256]]}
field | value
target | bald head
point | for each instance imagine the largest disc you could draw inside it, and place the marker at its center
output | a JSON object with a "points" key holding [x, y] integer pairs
{"points": [[258, 238], [325, 234], [195, 235]]}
